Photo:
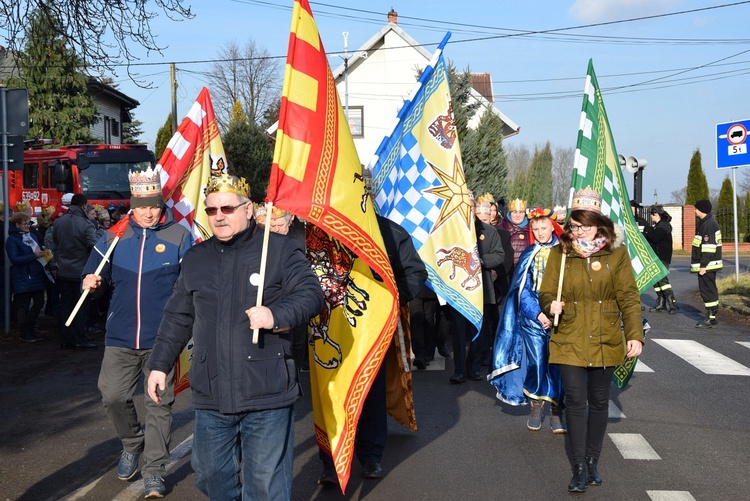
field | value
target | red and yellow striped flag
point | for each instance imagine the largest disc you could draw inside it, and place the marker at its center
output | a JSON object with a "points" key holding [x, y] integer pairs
{"points": [[194, 153], [316, 175]]}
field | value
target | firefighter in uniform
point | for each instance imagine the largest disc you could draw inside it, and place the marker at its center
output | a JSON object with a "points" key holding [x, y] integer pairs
{"points": [[705, 260]]}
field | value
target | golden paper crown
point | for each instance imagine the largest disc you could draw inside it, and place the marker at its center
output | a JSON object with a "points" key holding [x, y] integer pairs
{"points": [[227, 184], [46, 211], [587, 199], [276, 213], [22, 206], [260, 210], [517, 204], [486, 199], [144, 183]]}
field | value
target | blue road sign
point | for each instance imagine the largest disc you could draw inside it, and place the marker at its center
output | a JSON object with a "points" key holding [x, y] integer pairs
{"points": [[731, 144]]}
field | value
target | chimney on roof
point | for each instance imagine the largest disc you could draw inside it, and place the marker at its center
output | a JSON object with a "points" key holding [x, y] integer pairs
{"points": [[393, 16]]}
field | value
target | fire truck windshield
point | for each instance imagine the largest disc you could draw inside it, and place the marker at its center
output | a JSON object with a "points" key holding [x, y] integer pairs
{"points": [[109, 181]]}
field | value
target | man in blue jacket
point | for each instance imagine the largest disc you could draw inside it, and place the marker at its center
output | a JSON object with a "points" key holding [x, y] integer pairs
{"points": [[141, 273], [243, 393]]}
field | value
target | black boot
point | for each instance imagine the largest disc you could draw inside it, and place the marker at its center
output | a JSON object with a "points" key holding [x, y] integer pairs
{"points": [[660, 300], [670, 302], [710, 321], [593, 473], [578, 482]]}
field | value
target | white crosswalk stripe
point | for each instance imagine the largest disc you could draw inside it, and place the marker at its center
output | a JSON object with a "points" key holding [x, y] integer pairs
{"points": [[703, 358], [641, 367], [746, 344], [670, 496], [615, 412], [633, 446]]}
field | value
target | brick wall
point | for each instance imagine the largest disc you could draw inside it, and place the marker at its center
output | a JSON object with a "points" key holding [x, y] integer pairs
{"points": [[688, 227]]}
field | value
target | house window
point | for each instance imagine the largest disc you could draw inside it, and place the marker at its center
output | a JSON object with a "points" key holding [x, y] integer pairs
{"points": [[115, 128], [107, 130], [356, 119]]}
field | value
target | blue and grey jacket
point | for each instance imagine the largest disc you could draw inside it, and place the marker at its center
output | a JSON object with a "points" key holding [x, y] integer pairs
{"points": [[141, 272]]}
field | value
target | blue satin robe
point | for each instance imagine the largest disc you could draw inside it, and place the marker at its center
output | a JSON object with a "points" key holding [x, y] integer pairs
{"points": [[520, 361]]}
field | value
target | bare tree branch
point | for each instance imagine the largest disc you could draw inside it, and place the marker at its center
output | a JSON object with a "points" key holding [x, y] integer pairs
{"points": [[87, 25]]}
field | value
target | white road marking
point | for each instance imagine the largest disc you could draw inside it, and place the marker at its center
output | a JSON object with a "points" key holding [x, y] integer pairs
{"points": [[670, 496], [614, 411], [641, 367], [633, 446], [746, 344], [703, 358]]}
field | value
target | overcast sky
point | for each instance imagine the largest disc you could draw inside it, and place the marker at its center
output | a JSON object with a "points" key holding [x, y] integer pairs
{"points": [[667, 80]]}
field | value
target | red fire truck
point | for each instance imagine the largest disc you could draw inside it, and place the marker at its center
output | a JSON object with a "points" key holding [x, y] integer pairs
{"points": [[99, 171]]}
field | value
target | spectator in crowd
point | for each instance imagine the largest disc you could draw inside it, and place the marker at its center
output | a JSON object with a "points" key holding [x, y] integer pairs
{"points": [[587, 345], [520, 369], [73, 237], [282, 223], [491, 255], [141, 272], [62, 206], [27, 274], [500, 275], [659, 235], [515, 222], [243, 393], [705, 260]]}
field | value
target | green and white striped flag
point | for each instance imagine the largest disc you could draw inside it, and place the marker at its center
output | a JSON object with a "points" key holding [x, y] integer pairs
{"points": [[597, 166]]}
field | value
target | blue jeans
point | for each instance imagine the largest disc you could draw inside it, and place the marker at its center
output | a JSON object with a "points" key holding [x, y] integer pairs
{"points": [[257, 447]]}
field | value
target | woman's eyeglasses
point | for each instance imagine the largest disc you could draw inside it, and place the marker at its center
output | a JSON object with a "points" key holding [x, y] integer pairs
{"points": [[225, 209], [577, 228]]}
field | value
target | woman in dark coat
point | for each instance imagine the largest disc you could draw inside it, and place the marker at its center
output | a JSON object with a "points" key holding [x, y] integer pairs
{"points": [[600, 325], [659, 235], [27, 274]]}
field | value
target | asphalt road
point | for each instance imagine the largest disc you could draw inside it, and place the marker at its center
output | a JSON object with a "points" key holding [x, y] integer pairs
{"points": [[678, 431]]}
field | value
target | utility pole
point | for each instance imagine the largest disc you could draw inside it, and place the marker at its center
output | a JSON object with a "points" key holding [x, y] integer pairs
{"points": [[173, 86]]}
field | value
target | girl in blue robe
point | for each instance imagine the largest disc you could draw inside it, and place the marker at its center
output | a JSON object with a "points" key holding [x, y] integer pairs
{"points": [[520, 369]]}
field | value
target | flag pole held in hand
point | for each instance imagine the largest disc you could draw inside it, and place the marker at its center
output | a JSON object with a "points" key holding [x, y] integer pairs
{"points": [[559, 287], [118, 230], [263, 258]]}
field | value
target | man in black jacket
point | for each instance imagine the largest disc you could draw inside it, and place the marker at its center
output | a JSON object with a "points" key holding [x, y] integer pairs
{"points": [[243, 393], [74, 237]]}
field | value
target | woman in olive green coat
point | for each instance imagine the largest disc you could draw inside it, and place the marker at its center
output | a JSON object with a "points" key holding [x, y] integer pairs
{"points": [[600, 324]]}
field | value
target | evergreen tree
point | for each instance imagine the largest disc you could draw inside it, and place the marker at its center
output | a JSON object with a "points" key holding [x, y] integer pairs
{"points": [[725, 195], [163, 137], [60, 105], [463, 111], [131, 132], [484, 158], [519, 187], [539, 182], [697, 185], [249, 153]]}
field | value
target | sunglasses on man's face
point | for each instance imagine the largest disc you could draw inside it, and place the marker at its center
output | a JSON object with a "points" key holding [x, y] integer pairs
{"points": [[225, 209]]}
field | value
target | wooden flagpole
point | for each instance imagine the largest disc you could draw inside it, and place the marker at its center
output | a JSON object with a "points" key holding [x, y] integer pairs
{"points": [[96, 272], [559, 286], [263, 259]]}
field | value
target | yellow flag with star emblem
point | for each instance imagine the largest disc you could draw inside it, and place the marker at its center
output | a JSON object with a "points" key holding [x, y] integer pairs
{"points": [[418, 182]]}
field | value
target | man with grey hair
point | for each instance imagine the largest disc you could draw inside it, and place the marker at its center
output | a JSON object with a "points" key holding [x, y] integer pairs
{"points": [[243, 393]]}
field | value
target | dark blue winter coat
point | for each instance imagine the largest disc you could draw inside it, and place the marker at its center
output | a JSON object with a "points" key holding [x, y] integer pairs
{"points": [[26, 273], [141, 271]]}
